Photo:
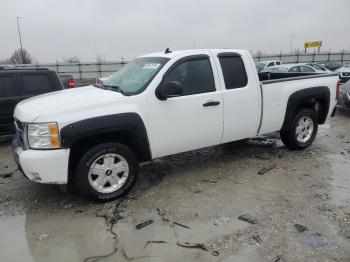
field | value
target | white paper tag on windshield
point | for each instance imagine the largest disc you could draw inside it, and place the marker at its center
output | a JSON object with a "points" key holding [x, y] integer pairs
{"points": [[151, 66]]}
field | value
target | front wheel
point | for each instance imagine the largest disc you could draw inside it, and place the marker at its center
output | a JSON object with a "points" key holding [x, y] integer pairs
{"points": [[106, 171], [302, 131]]}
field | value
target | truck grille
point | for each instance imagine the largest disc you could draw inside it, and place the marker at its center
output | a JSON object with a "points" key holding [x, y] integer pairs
{"points": [[346, 74]]}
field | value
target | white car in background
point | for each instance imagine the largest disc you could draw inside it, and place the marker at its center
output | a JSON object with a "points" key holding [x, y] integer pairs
{"points": [[319, 67], [344, 73], [261, 66], [294, 68]]}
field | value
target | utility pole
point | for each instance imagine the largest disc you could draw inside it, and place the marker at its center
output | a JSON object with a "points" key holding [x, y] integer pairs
{"points": [[291, 43], [20, 39]]}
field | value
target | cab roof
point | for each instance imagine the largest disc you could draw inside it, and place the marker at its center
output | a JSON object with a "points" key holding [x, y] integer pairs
{"points": [[176, 53]]}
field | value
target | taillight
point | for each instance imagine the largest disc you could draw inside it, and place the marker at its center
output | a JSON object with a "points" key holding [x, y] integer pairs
{"points": [[70, 83], [337, 91]]}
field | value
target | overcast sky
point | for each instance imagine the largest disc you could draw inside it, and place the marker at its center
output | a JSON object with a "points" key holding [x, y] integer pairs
{"points": [[62, 28]]}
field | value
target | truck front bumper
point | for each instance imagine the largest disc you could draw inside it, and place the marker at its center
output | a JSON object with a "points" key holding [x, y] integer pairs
{"points": [[42, 166]]}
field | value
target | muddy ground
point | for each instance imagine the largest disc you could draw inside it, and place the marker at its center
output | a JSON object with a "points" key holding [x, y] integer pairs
{"points": [[300, 209]]}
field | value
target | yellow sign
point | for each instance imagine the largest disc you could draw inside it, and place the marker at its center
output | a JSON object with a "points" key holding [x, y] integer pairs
{"points": [[313, 44]]}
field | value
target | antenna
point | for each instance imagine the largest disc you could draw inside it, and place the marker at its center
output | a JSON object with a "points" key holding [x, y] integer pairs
{"points": [[167, 51]]}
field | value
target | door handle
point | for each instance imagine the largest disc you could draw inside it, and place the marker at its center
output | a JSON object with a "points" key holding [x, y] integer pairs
{"points": [[211, 103]]}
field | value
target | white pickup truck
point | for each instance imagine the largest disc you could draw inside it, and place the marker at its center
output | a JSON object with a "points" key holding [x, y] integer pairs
{"points": [[161, 104]]}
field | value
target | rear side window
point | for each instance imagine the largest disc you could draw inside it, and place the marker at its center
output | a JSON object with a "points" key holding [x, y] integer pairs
{"points": [[35, 84], [234, 72], [7, 86], [196, 76], [278, 63]]}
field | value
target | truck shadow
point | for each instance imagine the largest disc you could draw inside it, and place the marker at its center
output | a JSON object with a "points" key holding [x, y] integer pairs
{"points": [[263, 148]]}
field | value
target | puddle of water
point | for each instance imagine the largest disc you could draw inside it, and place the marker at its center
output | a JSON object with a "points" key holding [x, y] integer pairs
{"points": [[66, 238], [13, 243], [341, 179], [76, 237]]}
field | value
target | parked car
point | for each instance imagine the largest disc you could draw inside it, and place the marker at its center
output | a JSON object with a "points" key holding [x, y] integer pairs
{"points": [[67, 81], [17, 85], [344, 97], [319, 67], [344, 73], [266, 64], [158, 105], [293, 68], [332, 66]]}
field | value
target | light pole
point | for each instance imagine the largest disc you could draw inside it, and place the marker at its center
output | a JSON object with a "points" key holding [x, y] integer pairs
{"points": [[291, 43], [20, 39]]}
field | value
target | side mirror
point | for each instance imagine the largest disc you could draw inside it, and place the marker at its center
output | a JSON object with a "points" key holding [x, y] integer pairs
{"points": [[169, 89]]}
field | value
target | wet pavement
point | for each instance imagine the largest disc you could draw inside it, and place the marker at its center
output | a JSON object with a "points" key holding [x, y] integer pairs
{"points": [[301, 207]]}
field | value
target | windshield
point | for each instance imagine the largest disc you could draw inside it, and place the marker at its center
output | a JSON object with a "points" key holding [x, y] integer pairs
{"points": [[260, 66], [135, 76]]}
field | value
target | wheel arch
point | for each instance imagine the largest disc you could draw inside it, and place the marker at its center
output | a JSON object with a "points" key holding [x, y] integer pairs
{"points": [[317, 98], [125, 128]]}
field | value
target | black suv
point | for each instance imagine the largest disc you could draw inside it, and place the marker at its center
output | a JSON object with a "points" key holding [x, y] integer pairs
{"points": [[20, 84]]}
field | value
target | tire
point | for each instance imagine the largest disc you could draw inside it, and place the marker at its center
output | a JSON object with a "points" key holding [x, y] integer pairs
{"points": [[106, 172], [305, 124]]}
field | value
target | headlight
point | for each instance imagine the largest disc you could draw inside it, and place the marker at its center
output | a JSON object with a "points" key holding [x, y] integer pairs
{"points": [[43, 136]]}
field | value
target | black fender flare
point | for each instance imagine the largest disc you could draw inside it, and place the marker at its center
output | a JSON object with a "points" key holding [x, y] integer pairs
{"points": [[303, 97], [97, 126]]}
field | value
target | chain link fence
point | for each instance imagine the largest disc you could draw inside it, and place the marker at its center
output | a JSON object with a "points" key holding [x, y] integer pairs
{"points": [[80, 70], [93, 70], [301, 57]]}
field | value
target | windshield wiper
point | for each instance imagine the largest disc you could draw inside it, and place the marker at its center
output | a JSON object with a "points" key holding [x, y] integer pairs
{"points": [[116, 88]]}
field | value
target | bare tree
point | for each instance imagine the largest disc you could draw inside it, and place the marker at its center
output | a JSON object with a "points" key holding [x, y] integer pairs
{"points": [[21, 56]]}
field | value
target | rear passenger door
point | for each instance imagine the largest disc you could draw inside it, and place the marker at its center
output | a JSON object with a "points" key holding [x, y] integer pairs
{"points": [[241, 95], [9, 97]]}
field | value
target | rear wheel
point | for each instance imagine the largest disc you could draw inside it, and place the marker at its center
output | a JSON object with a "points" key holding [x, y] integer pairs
{"points": [[106, 171], [302, 131]]}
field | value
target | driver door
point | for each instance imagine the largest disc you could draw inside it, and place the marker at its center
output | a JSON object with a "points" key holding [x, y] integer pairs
{"points": [[193, 120]]}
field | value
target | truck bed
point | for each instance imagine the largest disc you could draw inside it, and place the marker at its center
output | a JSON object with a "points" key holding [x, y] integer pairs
{"points": [[276, 93]]}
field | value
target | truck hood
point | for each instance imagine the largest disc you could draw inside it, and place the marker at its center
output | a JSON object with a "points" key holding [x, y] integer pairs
{"points": [[344, 69], [30, 109]]}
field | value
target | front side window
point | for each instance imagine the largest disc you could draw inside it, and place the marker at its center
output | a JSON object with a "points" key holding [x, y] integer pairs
{"points": [[196, 76], [294, 69], [135, 76], [234, 72]]}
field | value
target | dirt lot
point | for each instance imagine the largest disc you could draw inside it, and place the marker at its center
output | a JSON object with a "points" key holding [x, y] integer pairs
{"points": [[300, 209]]}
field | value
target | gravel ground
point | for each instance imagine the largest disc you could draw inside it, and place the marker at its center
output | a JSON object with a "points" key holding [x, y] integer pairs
{"points": [[298, 211]]}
